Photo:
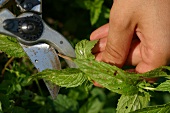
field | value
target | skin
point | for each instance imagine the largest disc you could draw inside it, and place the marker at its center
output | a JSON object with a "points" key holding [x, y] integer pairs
{"points": [[138, 34]]}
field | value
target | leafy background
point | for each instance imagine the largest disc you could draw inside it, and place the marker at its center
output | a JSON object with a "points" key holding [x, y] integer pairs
{"points": [[75, 19]]}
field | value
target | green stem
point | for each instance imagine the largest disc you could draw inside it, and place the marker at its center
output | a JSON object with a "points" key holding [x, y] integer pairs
{"points": [[39, 88], [149, 88]]}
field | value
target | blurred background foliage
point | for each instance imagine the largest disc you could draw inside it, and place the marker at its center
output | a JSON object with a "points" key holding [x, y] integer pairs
{"points": [[75, 19]]}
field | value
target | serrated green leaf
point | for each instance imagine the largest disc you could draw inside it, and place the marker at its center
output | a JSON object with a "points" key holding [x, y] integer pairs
{"points": [[110, 77], [11, 47], [83, 49], [163, 71], [129, 103], [155, 109], [165, 86], [70, 77]]}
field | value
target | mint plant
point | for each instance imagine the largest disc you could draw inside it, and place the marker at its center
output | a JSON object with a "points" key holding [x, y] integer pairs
{"points": [[11, 47], [122, 92], [134, 89]]}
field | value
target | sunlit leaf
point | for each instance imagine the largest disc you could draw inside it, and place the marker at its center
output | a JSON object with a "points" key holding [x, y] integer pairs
{"points": [[110, 77], [129, 103], [70, 77], [11, 47], [165, 86], [83, 49], [163, 71], [155, 109]]}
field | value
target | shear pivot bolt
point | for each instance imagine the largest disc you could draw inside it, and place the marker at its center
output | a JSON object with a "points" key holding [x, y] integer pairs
{"points": [[28, 27]]}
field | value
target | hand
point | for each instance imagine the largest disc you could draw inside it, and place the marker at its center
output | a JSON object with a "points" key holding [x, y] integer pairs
{"points": [[138, 34]]}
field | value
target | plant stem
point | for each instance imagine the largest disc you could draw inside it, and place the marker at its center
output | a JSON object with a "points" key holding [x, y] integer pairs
{"points": [[6, 65], [39, 88], [149, 88], [65, 57]]}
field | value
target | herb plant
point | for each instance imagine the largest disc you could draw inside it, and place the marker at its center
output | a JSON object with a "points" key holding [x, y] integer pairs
{"points": [[134, 89], [23, 91]]}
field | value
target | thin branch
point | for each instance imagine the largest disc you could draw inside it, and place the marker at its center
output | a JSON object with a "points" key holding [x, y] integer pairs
{"points": [[6, 65], [39, 88]]}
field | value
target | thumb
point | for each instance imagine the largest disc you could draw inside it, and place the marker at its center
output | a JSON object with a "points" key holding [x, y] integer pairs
{"points": [[117, 47], [121, 30]]}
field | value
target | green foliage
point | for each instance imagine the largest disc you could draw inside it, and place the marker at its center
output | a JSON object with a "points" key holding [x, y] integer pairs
{"points": [[156, 109], [132, 102], [122, 92], [95, 103], [108, 76], [159, 72], [83, 49], [65, 104], [96, 9], [11, 47], [133, 87], [164, 86], [68, 78]]}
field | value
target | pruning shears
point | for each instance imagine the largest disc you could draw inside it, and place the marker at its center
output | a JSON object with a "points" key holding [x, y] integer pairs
{"points": [[40, 42]]}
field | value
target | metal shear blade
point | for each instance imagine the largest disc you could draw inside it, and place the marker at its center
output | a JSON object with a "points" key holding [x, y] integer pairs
{"points": [[41, 55], [44, 57], [3, 2], [40, 50]]}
